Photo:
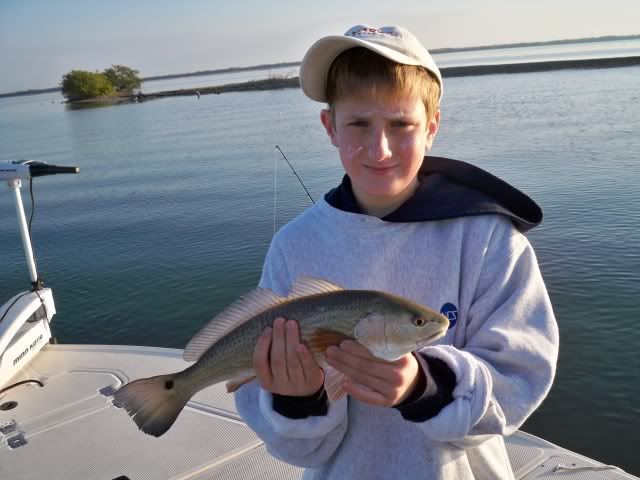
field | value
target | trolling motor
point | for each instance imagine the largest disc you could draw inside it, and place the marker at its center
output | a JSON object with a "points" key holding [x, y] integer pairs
{"points": [[25, 318]]}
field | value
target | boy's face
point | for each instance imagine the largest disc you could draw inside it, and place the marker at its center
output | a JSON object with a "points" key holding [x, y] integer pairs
{"points": [[382, 142]]}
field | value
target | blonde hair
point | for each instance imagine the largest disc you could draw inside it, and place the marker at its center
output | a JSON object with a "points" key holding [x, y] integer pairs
{"points": [[359, 70]]}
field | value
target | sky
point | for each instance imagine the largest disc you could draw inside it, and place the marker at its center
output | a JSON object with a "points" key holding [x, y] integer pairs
{"points": [[40, 40]]}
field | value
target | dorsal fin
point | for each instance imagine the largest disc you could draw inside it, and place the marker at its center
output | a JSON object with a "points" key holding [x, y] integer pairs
{"points": [[304, 286], [243, 309]]}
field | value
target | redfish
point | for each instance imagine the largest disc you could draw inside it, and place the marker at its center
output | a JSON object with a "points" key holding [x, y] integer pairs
{"points": [[387, 325]]}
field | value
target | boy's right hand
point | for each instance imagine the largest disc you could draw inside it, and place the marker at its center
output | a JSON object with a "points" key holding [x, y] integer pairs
{"points": [[282, 364]]}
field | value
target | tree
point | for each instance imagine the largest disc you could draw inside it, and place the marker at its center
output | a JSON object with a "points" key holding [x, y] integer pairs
{"points": [[81, 84], [124, 79]]}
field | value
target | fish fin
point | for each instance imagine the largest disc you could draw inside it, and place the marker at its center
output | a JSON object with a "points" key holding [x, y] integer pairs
{"points": [[322, 338], [154, 403], [333, 384], [305, 285], [333, 381], [243, 309], [235, 383]]}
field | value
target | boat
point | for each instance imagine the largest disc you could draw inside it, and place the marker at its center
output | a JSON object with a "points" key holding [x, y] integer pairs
{"points": [[58, 419]]}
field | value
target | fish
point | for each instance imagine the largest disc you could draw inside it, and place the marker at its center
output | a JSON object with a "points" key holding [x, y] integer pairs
{"points": [[389, 326]]}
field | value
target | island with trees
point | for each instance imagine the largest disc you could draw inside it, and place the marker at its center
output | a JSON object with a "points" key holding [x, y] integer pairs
{"points": [[115, 84]]}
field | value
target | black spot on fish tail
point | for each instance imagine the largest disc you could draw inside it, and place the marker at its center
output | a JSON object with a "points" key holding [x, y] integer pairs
{"points": [[154, 403]]}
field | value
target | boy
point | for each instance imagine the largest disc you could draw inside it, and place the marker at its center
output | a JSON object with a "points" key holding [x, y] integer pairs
{"points": [[437, 231]]}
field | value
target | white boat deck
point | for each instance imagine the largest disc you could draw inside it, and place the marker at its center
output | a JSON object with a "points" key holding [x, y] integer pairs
{"points": [[69, 429]]}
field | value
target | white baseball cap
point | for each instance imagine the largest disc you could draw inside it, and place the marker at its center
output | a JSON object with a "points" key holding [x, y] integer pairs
{"points": [[394, 43]]}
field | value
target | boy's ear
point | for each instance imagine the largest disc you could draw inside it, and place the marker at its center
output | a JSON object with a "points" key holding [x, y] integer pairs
{"points": [[434, 124], [432, 129], [326, 117]]}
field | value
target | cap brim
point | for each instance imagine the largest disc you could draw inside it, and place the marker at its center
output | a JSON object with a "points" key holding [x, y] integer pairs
{"points": [[315, 64]]}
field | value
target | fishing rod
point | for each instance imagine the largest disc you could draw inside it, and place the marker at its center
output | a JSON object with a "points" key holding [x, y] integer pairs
{"points": [[294, 172]]}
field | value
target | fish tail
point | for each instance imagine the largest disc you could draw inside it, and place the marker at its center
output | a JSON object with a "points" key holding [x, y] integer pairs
{"points": [[154, 402]]}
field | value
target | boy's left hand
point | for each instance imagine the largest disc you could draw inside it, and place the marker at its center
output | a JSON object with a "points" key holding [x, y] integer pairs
{"points": [[386, 383]]}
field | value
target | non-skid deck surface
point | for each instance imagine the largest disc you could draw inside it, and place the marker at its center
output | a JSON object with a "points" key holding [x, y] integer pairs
{"points": [[68, 429]]}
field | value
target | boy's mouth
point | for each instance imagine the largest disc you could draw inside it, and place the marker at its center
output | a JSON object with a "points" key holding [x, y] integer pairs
{"points": [[380, 170]]}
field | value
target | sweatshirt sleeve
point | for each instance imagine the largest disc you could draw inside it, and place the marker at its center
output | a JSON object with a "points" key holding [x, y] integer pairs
{"points": [[305, 442], [507, 363], [434, 391]]}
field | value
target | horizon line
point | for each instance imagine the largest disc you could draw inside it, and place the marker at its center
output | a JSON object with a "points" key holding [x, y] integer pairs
{"points": [[33, 91]]}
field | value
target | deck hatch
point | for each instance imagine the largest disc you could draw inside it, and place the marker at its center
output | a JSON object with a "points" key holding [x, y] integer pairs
{"points": [[16, 441]]}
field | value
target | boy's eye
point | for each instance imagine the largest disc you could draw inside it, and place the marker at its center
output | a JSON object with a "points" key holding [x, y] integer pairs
{"points": [[401, 124], [359, 123]]}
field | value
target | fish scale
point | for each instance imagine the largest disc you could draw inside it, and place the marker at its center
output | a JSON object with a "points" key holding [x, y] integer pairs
{"points": [[228, 358]]}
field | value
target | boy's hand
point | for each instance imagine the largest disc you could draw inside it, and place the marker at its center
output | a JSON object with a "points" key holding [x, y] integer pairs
{"points": [[282, 364], [382, 383]]}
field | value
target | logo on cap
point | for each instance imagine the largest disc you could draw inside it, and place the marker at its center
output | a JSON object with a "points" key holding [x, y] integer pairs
{"points": [[371, 31]]}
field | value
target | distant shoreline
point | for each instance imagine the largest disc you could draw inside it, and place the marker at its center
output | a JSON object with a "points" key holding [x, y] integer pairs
{"points": [[280, 82], [293, 82], [608, 38], [253, 85], [528, 67]]}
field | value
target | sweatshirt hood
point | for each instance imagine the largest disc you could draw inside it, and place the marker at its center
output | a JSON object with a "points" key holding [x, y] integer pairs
{"points": [[451, 189]]}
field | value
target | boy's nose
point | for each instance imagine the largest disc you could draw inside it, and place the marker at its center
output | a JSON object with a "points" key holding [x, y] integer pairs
{"points": [[379, 149]]}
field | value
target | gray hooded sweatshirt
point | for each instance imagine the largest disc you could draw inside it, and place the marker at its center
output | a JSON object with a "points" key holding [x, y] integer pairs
{"points": [[456, 246]]}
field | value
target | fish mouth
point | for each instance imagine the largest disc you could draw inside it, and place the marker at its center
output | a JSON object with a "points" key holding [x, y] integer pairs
{"points": [[434, 336]]}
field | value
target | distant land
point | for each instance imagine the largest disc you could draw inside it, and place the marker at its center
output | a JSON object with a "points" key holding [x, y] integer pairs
{"points": [[277, 83], [608, 38]]}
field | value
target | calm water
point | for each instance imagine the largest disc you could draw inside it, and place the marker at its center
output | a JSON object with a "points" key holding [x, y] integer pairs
{"points": [[172, 214]]}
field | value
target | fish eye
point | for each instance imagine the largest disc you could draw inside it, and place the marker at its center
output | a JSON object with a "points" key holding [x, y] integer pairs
{"points": [[419, 322]]}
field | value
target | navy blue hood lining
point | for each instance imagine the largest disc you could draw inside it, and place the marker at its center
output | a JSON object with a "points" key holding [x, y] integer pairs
{"points": [[451, 189]]}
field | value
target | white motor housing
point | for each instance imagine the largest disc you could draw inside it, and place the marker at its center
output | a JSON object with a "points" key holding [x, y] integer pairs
{"points": [[24, 330]]}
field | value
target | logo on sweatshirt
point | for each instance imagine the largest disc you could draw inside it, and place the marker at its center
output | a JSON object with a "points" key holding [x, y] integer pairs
{"points": [[450, 311]]}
